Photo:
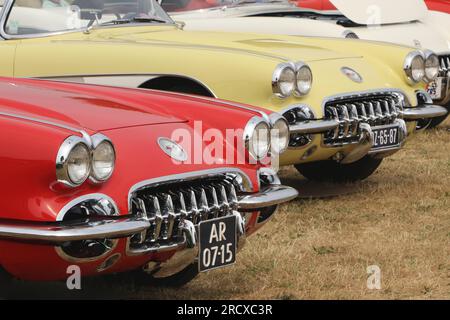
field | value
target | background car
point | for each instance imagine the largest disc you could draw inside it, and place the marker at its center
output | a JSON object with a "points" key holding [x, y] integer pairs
{"points": [[107, 42], [92, 178], [435, 5], [402, 22]]}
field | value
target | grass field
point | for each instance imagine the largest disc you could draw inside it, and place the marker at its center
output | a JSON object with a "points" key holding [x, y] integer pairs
{"points": [[399, 220]]}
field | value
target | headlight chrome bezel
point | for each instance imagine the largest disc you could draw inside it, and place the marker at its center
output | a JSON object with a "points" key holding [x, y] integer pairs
{"points": [[428, 54], [62, 164], [276, 80], [64, 152], [407, 66], [295, 68], [97, 140], [250, 130], [274, 119], [298, 92]]}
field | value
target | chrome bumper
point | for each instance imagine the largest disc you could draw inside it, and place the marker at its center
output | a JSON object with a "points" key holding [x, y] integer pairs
{"points": [[314, 126], [269, 197], [110, 228], [425, 111]]}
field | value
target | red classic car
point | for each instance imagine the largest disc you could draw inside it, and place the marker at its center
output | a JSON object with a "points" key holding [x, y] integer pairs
{"points": [[435, 5], [92, 178]]}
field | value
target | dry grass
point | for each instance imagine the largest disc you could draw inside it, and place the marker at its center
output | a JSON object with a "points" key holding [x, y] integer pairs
{"points": [[399, 219]]}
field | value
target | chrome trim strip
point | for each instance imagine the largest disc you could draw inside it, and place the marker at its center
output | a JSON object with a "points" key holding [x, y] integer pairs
{"points": [[42, 121], [268, 197]]}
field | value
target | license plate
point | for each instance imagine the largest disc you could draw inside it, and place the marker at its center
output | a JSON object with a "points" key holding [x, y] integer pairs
{"points": [[435, 89], [218, 242], [385, 136]]}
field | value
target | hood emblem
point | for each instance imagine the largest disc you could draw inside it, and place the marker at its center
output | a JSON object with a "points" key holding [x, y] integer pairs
{"points": [[352, 74], [172, 149], [417, 43]]}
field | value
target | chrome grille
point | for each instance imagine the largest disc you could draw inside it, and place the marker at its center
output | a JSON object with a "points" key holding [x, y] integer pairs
{"points": [[165, 206], [444, 61], [376, 109]]}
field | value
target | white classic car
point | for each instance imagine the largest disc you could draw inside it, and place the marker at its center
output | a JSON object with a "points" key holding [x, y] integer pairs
{"points": [[404, 22]]}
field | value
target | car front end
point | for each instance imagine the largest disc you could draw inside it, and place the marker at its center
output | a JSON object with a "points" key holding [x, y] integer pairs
{"points": [[122, 195]]}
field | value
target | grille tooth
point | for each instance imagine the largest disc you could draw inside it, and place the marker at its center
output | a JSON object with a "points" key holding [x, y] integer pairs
{"points": [[170, 216], [204, 204], [215, 202], [156, 213], [345, 121], [350, 111], [354, 118], [195, 212], [363, 114], [444, 65], [233, 196], [223, 193], [183, 211]]}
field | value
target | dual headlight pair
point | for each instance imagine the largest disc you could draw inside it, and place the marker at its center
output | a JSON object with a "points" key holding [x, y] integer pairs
{"points": [[79, 159], [264, 136], [292, 79], [421, 66]]}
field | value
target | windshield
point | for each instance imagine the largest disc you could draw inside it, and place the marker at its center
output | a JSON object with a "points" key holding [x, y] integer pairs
{"points": [[186, 5], [49, 16]]}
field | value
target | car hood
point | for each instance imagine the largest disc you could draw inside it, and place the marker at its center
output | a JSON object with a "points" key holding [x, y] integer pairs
{"points": [[265, 46], [376, 12], [54, 104]]}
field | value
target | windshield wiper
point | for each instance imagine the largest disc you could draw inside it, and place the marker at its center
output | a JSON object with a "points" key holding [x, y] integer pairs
{"points": [[131, 20]]}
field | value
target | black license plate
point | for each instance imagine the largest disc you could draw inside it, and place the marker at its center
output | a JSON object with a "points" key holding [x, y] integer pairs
{"points": [[218, 242], [385, 136]]}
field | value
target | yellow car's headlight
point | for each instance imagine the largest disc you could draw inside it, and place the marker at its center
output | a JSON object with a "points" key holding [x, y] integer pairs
{"points": [[414, 67], [292, 78], [283, 80], [304, 79], [431, 66]]}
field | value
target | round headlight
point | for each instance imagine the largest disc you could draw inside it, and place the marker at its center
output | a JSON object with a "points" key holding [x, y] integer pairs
{"points": [[304, 79], [415, 67], [103, 161], [78, 164], [257, 138], [283, 80], [73, 162], [279, 134], [431, 66]]}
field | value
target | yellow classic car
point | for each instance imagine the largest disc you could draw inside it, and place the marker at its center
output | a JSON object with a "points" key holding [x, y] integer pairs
{"points": [[365, 99]]}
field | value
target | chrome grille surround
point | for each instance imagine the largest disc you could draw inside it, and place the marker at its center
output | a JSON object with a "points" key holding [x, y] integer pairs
{"points": [[376, 108], [170, 205]]}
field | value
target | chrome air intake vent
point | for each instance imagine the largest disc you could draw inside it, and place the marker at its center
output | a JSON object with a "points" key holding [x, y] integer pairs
{"points": [[350, 111], [167, 206], [444, 61]]}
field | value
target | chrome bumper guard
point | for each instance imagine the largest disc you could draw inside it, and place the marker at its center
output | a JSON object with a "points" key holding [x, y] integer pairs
{"points": [[56, 233], [425, 111]]}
